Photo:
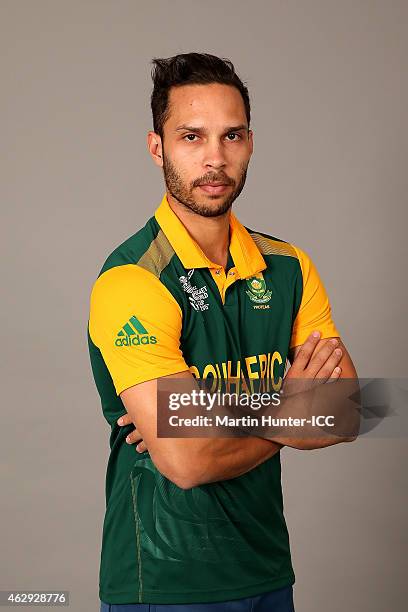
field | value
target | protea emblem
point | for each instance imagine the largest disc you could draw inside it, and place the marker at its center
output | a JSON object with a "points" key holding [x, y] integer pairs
{"points": [[258, 292]]}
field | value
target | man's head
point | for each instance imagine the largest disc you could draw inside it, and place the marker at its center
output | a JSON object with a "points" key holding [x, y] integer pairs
{"points": [[201, 117]]}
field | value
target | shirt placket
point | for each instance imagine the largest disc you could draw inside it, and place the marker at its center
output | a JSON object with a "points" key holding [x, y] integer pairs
{"points": [[222, 280]]}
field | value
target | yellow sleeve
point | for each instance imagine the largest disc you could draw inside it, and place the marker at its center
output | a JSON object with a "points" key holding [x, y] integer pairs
{"points": [[314, 311], [136, 323]]}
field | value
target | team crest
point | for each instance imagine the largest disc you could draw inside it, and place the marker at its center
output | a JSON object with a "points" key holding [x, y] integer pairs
{"points": [[257, 291]]}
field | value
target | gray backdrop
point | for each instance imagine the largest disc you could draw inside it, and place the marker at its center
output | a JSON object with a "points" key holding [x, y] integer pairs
{"points": [[329, 90]]}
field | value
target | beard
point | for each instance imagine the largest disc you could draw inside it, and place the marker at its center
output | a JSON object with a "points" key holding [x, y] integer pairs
{"points": [[183, 194]]}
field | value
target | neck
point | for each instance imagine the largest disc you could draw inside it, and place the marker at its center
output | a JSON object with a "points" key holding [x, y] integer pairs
{"points": [[210, 233]]}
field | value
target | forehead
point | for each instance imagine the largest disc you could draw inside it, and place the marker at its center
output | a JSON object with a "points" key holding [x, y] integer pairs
{"points": [[213, 102]]}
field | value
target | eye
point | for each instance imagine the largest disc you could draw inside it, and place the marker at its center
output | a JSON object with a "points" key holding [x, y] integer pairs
{"points": [[235, 134], [187, 135], [191, 136]]}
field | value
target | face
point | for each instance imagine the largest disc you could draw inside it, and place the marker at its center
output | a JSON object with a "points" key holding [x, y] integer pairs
{"points": [[206, 140]]}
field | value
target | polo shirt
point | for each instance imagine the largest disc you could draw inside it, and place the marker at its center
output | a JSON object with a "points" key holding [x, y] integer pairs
{"points": [[160, 306]]}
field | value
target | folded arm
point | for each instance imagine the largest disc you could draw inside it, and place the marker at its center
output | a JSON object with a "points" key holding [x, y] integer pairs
{"points": [[189, 462]]}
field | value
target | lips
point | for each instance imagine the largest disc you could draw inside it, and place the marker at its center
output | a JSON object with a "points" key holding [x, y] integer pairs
{"points": [[214, 188]]}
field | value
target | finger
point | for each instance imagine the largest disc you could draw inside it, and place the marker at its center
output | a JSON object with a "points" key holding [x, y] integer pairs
{"points": [[141, 447], [328, 367], [125, 419], [335, 374], [133, 437], [319, 359], [306, 351]]}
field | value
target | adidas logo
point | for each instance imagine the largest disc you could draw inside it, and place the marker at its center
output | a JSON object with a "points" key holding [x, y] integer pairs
{"points": [[134, 333]]}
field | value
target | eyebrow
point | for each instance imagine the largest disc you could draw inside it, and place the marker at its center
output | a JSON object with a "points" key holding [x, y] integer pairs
{"points": [[201, 130]]}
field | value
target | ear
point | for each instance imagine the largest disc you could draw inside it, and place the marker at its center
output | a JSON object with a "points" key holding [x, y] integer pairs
{"points": [[251, 140], [154, 146]]}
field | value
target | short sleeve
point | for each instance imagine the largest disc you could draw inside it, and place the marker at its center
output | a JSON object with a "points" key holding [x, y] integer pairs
{"points": [[314, 311], [136, 323]]}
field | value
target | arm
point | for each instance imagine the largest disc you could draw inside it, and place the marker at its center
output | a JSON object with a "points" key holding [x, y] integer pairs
{"points": [[315, 312], [189, 462], [129, 299], [193, 461], [337, 402]]}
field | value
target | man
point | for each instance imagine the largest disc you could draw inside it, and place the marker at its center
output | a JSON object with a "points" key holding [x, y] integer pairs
{"points": [[197, 523]]}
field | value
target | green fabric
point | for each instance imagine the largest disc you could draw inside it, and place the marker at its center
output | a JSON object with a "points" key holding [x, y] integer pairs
{"points": [[219, 541]]}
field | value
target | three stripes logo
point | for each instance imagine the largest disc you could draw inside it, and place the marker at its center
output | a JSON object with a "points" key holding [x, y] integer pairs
{"points": [[133, 333]]}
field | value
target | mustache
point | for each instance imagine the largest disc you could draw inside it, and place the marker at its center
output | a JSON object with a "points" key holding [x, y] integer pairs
{"points": [[218, 180]]}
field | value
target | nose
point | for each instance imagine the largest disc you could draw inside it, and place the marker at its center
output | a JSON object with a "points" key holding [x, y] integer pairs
{"points": [[214, 154]]}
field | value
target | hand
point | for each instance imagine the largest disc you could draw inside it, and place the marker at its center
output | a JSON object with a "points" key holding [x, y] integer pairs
{"points": [[134, 435], [307, 371]]}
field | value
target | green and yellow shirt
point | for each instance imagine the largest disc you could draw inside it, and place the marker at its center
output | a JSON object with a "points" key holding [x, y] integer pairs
{"points": [[160, 306]]}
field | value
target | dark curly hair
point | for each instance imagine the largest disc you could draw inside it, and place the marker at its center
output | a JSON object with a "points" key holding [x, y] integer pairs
{"points": [[188, 69]]}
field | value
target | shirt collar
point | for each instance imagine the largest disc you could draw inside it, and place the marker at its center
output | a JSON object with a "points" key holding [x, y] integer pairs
{"points": [[247, 258]]}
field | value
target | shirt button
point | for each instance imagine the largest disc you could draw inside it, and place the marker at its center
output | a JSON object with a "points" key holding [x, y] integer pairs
{"points": [[218, 271], [231, 272]]}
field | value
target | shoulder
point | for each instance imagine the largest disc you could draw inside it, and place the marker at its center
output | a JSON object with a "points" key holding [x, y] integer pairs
{"points": [[148, 248], [134, 267], [121, 286], [274, 246], [129, 297]]}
